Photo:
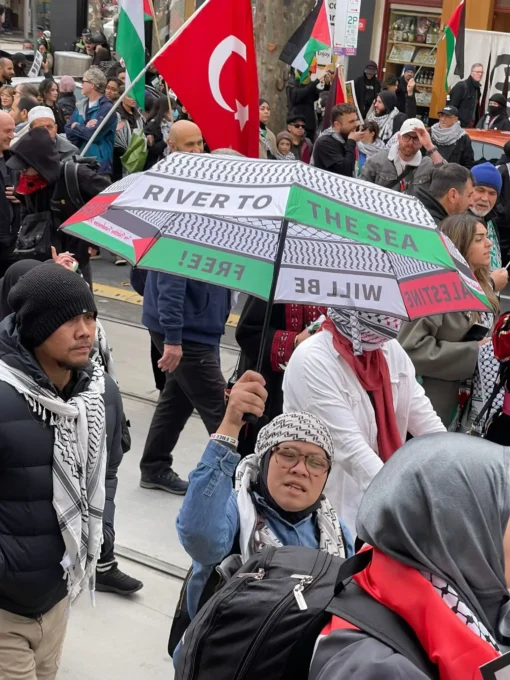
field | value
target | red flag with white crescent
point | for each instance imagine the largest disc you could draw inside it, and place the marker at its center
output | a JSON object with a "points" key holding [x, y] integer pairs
{"points": [[211, 66]]}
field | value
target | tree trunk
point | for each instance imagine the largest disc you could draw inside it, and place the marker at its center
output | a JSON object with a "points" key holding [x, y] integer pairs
{"points": [[274, 22]]}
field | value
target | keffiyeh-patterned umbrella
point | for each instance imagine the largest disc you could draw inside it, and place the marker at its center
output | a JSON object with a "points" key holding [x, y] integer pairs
{"points": [[285, 232]]}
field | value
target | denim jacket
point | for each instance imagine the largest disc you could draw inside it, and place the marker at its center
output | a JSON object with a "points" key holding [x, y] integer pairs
{"points": [[208, 521]]}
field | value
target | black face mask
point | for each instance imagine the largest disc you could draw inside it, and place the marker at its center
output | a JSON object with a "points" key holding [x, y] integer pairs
{"points": [[495, 110]]}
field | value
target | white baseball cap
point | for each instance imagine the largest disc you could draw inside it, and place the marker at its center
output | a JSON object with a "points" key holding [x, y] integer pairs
{"points": [[40, 112], [410, 125]]}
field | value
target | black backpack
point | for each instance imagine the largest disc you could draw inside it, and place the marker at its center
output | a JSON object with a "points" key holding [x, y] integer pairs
{"points": [[38, 231], [72, 183], [264, 623]]}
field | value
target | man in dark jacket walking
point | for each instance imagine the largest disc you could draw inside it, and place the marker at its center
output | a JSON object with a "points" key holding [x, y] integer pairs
{"points": [[496, 117], [451, 140], [186, 320], [56, 410], [367, 87], [335, 150], [465, 96], [450, 192], [9, 204]]}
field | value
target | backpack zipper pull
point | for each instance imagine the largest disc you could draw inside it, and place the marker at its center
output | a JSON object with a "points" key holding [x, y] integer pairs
{"points": [[298, 590], [258, 575]]}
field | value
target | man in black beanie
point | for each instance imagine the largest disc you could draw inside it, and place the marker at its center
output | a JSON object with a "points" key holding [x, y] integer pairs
{"points": [[60, 447]]}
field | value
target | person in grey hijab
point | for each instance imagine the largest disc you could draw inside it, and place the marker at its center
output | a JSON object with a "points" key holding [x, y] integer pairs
{"points": [[437, 517]]}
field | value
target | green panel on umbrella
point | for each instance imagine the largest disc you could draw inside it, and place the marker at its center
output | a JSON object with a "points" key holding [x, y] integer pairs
{"points": [[99, 238], [215, 266], [314, 210]]}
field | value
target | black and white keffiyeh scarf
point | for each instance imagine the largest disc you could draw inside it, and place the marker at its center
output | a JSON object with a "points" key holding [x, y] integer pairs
{"points": [[370, 149], [367, 331], [79, 468], [450, 597], [285, 157], [385, 123], [446, 136], [256, 534]]}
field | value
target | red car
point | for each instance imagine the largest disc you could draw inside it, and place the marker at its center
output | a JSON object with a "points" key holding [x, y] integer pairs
{"points": [[488, 144]]}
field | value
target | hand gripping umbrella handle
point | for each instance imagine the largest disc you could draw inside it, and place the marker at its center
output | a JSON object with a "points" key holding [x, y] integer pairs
{"points": [[249, 417]]}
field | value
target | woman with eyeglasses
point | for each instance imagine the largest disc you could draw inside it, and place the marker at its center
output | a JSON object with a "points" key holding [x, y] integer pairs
{"points": [[277, 498]]}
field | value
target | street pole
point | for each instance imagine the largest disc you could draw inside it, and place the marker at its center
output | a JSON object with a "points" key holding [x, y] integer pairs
{"points": [[138, 77], [34, 25]]}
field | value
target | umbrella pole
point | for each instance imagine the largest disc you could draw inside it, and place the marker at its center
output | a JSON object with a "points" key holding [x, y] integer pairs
{"points": [[249, 417]]}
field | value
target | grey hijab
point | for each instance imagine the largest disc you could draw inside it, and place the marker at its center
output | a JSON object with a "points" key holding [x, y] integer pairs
{"points": [[442, 503]]}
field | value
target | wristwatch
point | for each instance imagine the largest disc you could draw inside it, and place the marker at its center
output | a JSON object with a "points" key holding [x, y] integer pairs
{"points": [[431, 151]]}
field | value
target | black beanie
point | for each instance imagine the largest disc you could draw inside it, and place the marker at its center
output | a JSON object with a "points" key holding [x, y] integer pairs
{"points": [[45, 298]]}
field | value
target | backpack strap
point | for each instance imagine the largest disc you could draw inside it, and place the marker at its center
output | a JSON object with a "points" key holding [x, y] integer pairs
{"points": [[356, 606], [72, 185]]}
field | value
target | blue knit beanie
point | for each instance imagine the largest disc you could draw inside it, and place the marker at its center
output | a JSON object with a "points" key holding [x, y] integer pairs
{"points": [[486, 175], [409, 67]]}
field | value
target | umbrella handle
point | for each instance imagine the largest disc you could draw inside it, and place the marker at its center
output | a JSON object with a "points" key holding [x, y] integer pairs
{"points": [[249, 417]]}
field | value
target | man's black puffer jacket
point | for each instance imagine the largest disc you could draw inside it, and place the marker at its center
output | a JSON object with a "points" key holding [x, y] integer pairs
{"points": [[31, 544]]}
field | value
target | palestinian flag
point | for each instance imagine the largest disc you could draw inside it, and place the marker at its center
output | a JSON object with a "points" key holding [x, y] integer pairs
{"points": [[148, 14], [131, 44], [455, 34], [313, 35]]}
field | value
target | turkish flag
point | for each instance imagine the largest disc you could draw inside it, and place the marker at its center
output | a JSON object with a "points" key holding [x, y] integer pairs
{"points": [[211, 66]]}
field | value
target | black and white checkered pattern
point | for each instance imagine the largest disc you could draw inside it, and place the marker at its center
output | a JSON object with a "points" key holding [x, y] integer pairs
{"points": [[461, 610]]}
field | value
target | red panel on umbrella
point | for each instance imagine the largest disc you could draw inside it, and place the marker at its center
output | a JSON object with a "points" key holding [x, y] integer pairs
{"points": [[426, 295], [97, 206], [142, 245]]}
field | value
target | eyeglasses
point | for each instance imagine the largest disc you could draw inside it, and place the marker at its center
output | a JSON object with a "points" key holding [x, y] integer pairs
{"points": [[477, 73], [85, 81], [287, 458], [302, 127]]}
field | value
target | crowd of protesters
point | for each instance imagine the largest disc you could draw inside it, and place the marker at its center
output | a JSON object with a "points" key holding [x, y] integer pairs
{"points": [[324, 458]]}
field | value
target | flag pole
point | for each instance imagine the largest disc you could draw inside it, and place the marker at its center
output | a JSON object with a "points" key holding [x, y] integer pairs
{"points": [[158, 40], [138, 77]]}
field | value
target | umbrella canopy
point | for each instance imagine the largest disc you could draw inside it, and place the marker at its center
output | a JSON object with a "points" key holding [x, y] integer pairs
{"points": [[220, 219]]}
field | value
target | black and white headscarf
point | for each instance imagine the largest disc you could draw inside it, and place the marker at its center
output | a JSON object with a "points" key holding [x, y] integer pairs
{"points": [[367, 331], [288, 427], [79, 468]]}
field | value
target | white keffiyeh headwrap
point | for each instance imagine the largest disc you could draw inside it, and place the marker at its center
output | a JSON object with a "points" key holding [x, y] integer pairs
{"points": [[367, 331], [79, 468], [288, 427]]}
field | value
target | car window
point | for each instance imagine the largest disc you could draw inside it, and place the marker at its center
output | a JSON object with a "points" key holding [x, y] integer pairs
{"points": [[486, 152]]}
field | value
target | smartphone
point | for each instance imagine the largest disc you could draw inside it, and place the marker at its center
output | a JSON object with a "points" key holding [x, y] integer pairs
{"points": [[476, 333]]}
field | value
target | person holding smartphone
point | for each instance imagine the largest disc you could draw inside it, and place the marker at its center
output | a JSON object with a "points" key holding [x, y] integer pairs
{"points": [[448, 349]]}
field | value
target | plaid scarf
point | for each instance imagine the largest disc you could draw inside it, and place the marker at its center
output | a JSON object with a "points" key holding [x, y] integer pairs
{"points": [[79, 468]]}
